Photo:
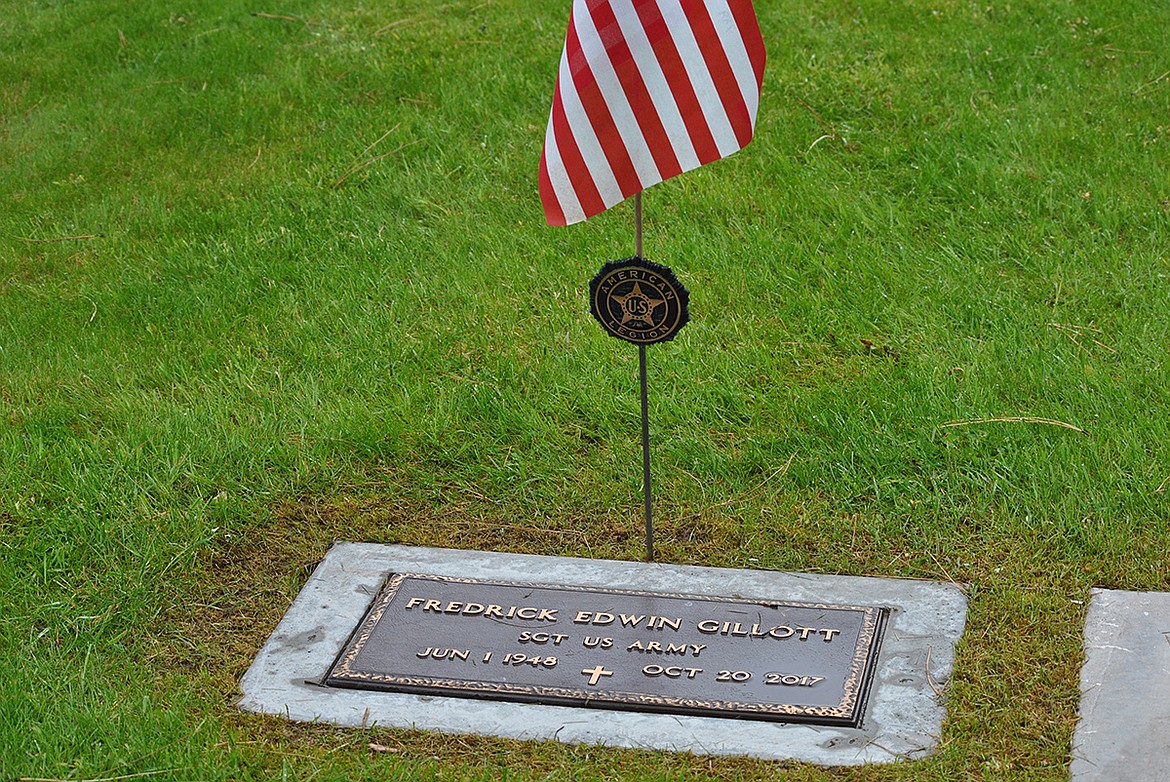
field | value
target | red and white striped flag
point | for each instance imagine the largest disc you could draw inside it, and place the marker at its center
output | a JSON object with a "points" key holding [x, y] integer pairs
{"points": [[647, 89]]}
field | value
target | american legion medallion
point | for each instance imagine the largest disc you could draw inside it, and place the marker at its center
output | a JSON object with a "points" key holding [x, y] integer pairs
{"points": [[639, 301]]}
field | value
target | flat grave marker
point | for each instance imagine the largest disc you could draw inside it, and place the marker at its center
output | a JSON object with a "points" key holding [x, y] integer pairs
{"points": [[900, 719], [642, 651]]}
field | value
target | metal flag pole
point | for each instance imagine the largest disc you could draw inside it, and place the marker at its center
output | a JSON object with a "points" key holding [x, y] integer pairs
{"points": [[645, 400], [640, 301]]}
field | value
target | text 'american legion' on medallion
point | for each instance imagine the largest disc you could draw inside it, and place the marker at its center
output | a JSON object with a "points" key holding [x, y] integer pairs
{"points": [[644, 651], [638, 300]]}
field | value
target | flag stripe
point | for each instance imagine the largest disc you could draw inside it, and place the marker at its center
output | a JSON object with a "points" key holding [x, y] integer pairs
{"points": [[614, 100], [749, 35], [601, 169], [621, 59], [646, 89], [553, 212], [661, 39], [559, 188], [658, 91], [727, 29], [601, 118], [559, 178], [719, 71], [574, 162]]}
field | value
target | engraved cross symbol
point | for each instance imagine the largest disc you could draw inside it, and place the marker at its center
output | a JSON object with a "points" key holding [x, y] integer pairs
{"points": [[595, 674]]}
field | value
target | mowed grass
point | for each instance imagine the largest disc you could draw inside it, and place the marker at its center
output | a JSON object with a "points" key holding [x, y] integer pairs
{"points": [[276, 275]]}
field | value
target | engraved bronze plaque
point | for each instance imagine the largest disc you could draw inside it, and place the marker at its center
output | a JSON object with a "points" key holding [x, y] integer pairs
{"points": [[643, 651], [639, 301]]}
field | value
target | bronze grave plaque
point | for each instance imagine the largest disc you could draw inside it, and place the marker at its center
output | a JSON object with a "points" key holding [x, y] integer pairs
{"points": [[620, 649]]}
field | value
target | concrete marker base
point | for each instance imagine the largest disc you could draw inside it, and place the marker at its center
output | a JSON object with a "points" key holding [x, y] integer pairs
{"points": [[903, 721]]}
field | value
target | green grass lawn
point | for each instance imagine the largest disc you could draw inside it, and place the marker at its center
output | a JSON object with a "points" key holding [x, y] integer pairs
{"points": [[273, 275]]}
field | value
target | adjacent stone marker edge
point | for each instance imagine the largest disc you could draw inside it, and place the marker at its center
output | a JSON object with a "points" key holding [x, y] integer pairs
{"points": [[1124, 728]]}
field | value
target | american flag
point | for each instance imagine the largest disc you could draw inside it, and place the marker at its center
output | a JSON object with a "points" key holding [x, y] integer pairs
{"points": [[646, 90]]}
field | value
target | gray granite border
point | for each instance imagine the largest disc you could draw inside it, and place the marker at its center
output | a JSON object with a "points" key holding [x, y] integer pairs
{"points": [[903, 720], [1124, 727]]}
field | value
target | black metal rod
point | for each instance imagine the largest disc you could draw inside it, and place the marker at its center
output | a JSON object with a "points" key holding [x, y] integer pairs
{"points": [[645, 400], [638, 223], [646, 454]]}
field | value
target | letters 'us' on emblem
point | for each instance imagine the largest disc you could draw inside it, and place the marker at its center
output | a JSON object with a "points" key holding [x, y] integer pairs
{"points": [[638, 300]]}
